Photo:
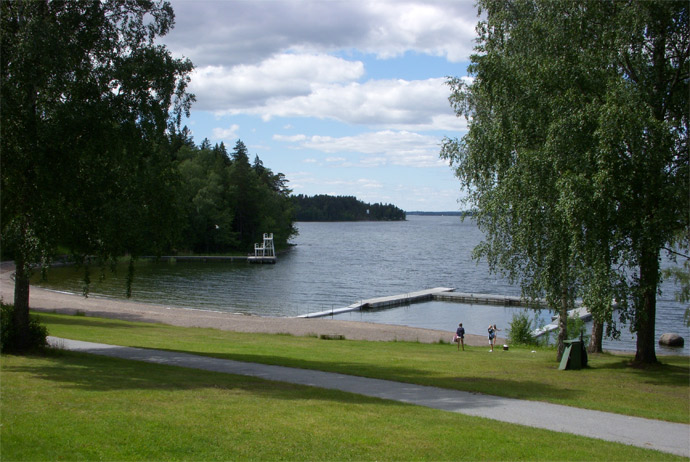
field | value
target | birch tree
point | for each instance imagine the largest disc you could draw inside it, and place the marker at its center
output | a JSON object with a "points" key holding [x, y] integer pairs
{"points": [[86, 97], [576, 157]]}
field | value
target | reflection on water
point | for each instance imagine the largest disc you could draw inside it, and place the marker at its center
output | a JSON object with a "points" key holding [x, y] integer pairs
{"points": [[336, 264]]}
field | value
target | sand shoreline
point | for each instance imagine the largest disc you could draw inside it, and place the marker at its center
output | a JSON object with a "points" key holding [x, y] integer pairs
{"points": [[42, 300]]}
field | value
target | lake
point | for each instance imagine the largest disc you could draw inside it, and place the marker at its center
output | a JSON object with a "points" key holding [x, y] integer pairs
{"points": [[333, 265]]}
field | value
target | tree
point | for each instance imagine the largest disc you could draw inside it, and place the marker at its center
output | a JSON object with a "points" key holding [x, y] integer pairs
{"points": [[576, 156], [86, 97], [246, 199]]}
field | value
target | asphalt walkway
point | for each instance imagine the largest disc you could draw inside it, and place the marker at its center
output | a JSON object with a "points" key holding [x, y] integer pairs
{"points": [[651, 434]]}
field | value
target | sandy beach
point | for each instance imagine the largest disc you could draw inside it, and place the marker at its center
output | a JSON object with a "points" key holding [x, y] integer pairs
{"points": [[51, 301]]}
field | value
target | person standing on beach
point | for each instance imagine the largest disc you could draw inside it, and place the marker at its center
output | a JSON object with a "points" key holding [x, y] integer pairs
{"points": [[492, 335], [460, 337]]}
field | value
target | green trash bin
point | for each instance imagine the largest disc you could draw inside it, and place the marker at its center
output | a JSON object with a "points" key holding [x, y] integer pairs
{"points": [[572, 355]]}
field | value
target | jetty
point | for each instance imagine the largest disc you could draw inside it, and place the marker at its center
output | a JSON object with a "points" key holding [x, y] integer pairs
{"points": [[382, 302], [264, 252], [203, 258], [449, 295], [485, 299]]}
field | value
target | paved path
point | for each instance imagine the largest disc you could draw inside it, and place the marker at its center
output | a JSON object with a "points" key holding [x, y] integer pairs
{"points": [[651, 434]]}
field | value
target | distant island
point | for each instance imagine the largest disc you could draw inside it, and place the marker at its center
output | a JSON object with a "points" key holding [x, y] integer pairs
{"points": [[323, 207], [456, 213]]}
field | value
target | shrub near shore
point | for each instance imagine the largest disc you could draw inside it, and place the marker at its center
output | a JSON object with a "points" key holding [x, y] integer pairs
{"points": [[37, 332]]}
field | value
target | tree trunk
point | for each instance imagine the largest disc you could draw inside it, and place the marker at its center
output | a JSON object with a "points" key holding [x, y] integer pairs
{"points": [[562, 328], [646, 308], [597, 337], [20, 319]]}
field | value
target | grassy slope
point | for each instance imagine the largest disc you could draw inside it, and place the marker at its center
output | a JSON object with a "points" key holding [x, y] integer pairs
{"points": [[608, 385], [70, 406]]}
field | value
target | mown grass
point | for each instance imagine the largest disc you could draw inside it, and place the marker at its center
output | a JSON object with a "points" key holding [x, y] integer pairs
{"points": [[609, 384], [73, 406]]}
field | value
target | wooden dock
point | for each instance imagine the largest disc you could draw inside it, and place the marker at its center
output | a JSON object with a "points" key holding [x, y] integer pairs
{"points": [[203, 258], [261, 259], [484, 299], [263, 253]]}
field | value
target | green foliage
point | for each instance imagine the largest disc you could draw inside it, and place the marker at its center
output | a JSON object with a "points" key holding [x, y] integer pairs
{"points": [[342, 208], [681, 274], [227, 202], [8, 332], [577, 328], [87, 93], [576, 157], [521, 328]]}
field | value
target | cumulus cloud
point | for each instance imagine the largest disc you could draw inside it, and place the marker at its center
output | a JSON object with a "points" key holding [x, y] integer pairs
{"points": [[378, 102], [239, 88], [379, 148], [395, 103], [276, 58], [228, 33], [226, 133]]}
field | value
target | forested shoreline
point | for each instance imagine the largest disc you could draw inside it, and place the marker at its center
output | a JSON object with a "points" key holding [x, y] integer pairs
{"points": [[322, 207], [226, 202]]}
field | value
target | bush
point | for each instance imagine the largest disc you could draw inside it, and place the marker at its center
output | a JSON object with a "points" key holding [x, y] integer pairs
{"points": [[521, 328], [577, 327], [8, 335]]}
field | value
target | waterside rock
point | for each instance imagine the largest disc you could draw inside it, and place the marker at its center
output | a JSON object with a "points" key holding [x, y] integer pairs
{"points": [[670, 339]]}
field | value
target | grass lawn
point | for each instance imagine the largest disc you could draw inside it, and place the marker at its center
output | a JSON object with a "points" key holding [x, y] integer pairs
{"points": [[609, 384], [73, 406]]}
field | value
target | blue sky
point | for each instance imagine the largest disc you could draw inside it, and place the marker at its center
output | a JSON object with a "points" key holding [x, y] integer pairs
{"points": [[343, 97]]}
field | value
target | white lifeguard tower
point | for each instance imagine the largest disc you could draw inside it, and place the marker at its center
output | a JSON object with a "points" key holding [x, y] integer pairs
{"points": [[264, 252]]}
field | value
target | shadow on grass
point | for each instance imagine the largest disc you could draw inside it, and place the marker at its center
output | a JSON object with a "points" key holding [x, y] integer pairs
{"points": [[78, 320], [93, 373], [662, 373], [490, 385], [94, 319]]}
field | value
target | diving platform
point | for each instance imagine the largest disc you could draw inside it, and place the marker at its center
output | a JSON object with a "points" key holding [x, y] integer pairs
{"points": [[264, 252]]}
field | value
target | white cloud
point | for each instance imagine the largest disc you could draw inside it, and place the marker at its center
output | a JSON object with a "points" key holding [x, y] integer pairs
{"points": [[234, 32], [394, 103], [368, 184], [274, 58], [235, 89], [380, 148], [226, 133], [435, 28], [289, 138]]}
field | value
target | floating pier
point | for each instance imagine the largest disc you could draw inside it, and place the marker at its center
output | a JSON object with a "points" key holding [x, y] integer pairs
{"points": [[383, 302], [485, 299], [449, 295]]}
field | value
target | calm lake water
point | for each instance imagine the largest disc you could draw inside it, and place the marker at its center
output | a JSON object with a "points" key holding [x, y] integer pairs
{"points": [[333, 265]]}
